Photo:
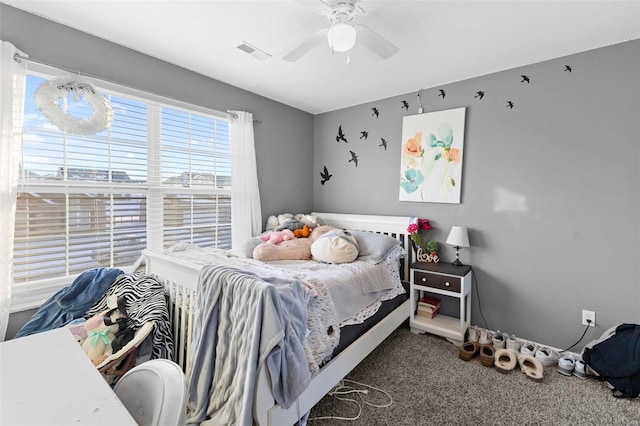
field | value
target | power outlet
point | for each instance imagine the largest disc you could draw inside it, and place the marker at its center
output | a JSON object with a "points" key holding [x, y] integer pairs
{"points": [[588, 315]]}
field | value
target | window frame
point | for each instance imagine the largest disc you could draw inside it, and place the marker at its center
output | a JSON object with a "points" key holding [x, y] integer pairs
{"points": [[32, 294]]}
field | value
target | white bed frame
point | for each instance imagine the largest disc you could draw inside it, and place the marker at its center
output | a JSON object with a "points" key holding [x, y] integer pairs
{"points": [[181, 277]]}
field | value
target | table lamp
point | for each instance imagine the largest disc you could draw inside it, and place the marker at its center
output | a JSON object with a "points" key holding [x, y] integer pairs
{"points": [[458, 237]]}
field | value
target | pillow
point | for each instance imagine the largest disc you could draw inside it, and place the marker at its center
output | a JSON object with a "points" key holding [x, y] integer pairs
{"points": [[335, 246], [374, 247], [246, 249], [296, 249]]}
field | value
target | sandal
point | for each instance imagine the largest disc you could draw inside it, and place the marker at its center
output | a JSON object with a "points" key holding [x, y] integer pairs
{"points": [[505, 360]]}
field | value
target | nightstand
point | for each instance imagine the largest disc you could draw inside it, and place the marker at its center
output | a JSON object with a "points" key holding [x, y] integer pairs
{"points": [[442, 280]]}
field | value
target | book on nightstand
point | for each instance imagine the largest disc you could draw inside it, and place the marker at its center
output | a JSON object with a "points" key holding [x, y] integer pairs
{"points": [[426, 314], [428, 307], [429, 302]]}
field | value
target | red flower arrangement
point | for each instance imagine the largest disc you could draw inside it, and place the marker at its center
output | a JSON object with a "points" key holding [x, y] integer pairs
{"points": [[414, 231]]}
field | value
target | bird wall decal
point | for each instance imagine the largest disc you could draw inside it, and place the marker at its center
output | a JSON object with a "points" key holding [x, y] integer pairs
{"points": [[510, 104], [567, 68], [442, 93], [364, 135], [383, 143], [525, 79], [325, 176], [341, 136], [405, 105], [479, 95], [354, 158], [376, 112]]}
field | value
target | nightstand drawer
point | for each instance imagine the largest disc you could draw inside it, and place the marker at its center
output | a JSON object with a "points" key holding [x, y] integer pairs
{"points": [[442, 282]]}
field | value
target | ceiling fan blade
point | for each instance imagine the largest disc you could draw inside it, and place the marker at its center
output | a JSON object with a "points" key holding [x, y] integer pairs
{"points": [[375, 42], [306, 46]]}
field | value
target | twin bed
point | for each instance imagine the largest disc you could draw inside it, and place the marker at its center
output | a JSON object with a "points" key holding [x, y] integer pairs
{"points": [[335, 342]]}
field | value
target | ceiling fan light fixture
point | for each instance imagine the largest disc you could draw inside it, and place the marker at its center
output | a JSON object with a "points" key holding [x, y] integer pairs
{"points": [[341, 37]]}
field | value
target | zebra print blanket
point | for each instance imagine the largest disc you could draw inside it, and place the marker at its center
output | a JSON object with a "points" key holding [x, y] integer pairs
{"points": [[145, 301]]}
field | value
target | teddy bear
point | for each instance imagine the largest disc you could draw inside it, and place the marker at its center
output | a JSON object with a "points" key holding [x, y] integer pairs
{"points": [[101, 330], [307, 219], [275, 237], [275, 221], [303, 232], [292, 224]]}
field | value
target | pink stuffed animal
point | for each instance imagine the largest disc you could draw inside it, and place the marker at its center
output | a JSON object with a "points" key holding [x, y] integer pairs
{"points": [[275, 237]]}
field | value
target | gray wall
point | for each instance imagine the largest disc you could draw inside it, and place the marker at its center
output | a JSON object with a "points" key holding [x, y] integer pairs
{"points": [[284, 132], [549, 188]]}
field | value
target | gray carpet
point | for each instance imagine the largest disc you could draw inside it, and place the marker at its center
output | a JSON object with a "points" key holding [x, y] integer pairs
{"points": [[430, 385]]}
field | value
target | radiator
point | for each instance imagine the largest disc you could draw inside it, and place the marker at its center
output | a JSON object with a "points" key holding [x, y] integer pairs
{"points": [[181, 304]]}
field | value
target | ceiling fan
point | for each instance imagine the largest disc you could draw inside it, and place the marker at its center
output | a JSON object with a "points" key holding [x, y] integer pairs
{"points": [[342, 35]]}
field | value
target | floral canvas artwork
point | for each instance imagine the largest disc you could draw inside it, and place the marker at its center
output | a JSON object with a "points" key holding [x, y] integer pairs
{"points": [[432, 150]]}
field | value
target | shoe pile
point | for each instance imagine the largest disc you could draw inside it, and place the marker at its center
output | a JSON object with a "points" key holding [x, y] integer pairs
{"points": [[504, 352], [482, 342]]}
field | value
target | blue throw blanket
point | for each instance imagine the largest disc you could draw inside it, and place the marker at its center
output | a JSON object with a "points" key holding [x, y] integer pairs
{"points": [[71, 302], [245, 321]]}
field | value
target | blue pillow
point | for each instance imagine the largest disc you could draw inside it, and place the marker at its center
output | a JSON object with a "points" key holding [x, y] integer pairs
{"points": [[374, 247]]}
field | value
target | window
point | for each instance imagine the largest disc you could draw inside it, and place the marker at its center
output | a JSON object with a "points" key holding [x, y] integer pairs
{"points": [[161, 174]]}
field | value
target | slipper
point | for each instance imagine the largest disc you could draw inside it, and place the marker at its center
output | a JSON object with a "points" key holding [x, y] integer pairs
{"points": [[468, 351], [486, 355], [532, 367], [505, 360]]}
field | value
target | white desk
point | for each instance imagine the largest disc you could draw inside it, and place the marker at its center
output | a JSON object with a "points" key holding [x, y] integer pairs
{"points": [[46, 379]]}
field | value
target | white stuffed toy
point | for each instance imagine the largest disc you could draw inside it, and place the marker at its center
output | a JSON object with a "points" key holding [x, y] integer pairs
{"points": [[335, 246], [101, 330], [97, 345]]}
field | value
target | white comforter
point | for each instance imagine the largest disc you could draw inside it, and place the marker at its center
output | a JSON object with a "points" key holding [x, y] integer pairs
{"points": [[357, 288]]}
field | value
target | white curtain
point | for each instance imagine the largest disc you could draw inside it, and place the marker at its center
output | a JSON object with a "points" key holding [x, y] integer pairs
{"points": [[12, 85], [246, 213]]}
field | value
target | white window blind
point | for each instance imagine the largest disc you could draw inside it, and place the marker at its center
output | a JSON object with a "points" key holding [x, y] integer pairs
{"points": [[161, 174]]}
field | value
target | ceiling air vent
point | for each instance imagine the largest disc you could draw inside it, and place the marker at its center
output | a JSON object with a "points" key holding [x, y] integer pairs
{"points": [[253, 51]]}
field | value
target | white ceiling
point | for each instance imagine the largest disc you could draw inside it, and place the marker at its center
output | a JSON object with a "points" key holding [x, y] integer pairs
{"points": [[440, 41]]}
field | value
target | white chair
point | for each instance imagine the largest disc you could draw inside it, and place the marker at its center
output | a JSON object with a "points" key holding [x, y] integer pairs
{"points": [[154, 393]]}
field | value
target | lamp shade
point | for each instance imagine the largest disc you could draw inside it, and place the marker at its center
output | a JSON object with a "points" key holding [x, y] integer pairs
{"points": [[341, 37], [458, 236]]}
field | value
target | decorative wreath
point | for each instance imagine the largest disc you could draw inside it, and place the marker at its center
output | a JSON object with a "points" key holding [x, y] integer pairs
{"points": [[48, 97]]}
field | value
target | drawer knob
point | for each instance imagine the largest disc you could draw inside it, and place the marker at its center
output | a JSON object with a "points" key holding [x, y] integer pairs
{"points": [[447, 284], [424, 280]]}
